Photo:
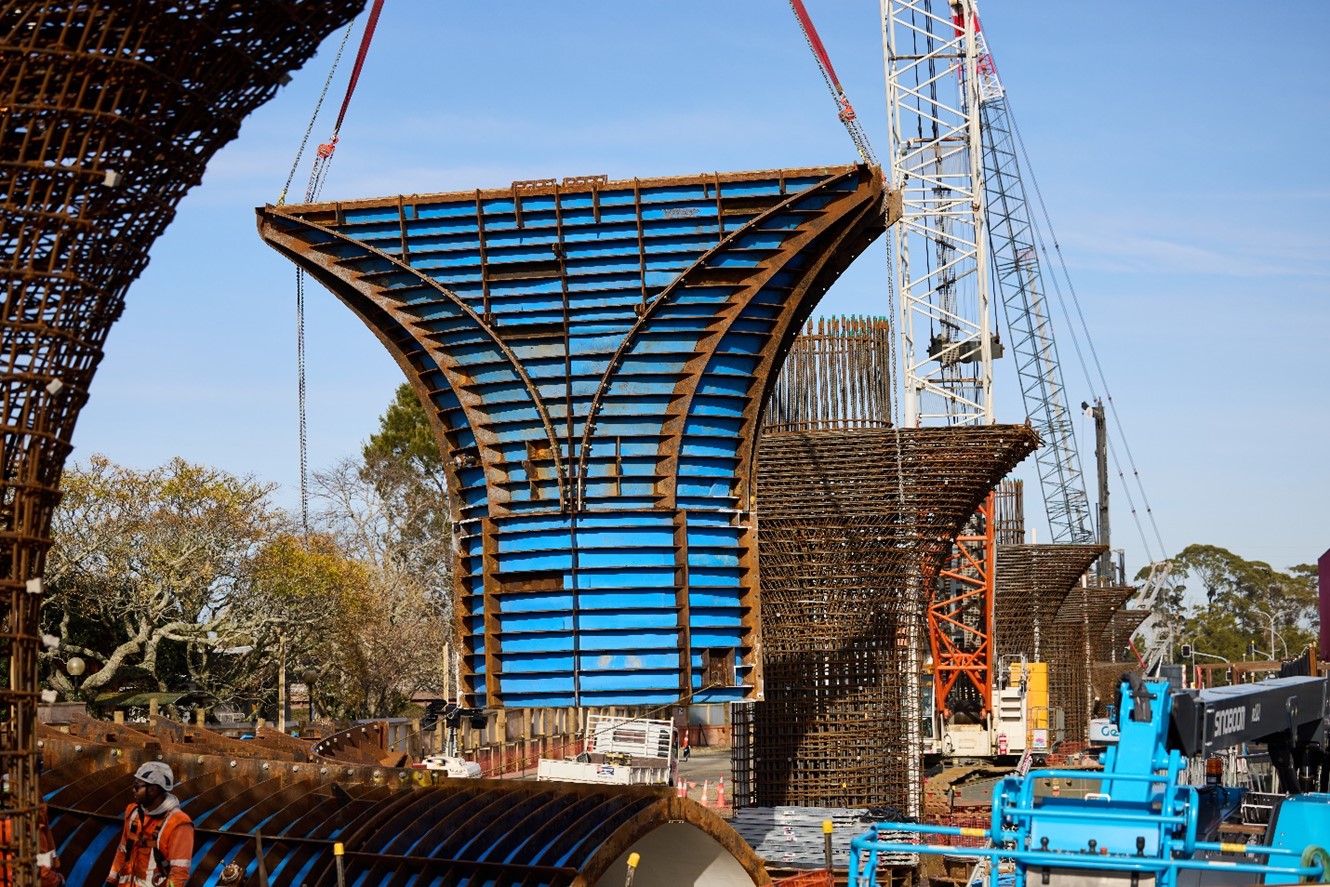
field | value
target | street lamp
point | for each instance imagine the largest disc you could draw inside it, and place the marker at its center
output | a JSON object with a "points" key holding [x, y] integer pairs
{"points": [[310, 675], [1271, 617], [75, 667], [1190, 652]]}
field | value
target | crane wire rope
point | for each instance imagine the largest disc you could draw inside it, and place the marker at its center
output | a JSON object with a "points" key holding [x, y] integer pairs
{"points": [[317, 177], [1061, 264], [846, 111]]}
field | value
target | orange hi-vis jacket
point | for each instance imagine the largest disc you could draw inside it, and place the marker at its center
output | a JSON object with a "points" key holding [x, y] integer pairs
{"points": [[48, 863], [154, 850]]}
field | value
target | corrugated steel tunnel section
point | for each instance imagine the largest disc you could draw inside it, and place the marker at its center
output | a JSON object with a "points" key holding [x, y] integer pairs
{"points": [[399, 826], [594, 357], [109, 112], [856, 520]]}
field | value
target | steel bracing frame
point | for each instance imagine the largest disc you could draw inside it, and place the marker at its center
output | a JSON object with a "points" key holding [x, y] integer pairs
{"points": [[960, 619], [941, 269]]}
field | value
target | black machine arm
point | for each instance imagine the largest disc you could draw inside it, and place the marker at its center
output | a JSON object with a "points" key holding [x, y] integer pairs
{"points": [[1288, 714]]}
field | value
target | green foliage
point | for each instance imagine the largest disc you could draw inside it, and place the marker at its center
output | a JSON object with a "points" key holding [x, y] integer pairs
{"points": [[405, 437], [1244, 603], [151, 572]]}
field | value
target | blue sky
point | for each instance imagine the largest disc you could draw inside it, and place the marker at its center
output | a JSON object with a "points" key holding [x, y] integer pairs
{"points": [[1180, 149]]}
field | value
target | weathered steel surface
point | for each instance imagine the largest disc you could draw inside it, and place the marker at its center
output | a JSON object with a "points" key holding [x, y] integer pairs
{"points": [[109, 112], [397, 825], [854, 526], [593, 356]]}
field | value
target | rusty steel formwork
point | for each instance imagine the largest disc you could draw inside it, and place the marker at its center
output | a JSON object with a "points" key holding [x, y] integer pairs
{"points": [[109, 112], [267, 814], [594, 356], [1081, 619], [854, 526]]}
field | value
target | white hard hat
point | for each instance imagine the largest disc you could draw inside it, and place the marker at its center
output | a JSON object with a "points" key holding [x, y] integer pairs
{"points": [[156, 773]]}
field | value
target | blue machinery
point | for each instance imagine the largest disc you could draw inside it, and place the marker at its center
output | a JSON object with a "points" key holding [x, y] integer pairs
{"points": [[594, 357], [1142, 826]]}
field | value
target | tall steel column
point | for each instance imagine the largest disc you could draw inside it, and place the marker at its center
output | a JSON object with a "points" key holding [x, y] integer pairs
{"points": [[941, 269], [109, 112]]}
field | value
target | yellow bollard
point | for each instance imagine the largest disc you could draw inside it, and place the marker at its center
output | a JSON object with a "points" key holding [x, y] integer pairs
{"points": [[338, 852], [826, 842], [633, 859]]}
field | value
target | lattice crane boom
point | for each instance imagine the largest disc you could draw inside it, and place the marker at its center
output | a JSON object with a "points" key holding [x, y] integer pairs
{"points": [[1018, 279], [941, 269]]}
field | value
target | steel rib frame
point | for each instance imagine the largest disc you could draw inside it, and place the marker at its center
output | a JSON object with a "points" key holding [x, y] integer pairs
{"points": [[394, 831]]}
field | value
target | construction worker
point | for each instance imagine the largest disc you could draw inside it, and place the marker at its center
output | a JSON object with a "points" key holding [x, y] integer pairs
{"points": [[48, 862], [158, 838]]}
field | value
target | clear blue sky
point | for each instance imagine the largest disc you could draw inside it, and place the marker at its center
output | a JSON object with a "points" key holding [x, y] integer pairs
{"points": [[1180, 148]]}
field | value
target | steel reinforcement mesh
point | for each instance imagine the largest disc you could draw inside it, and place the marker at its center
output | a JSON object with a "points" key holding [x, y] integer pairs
{"points": [[109, 112], [1030, 586], [852, 527], [1084, 615], [1009, 513], [834, 378], [1113, 644]]}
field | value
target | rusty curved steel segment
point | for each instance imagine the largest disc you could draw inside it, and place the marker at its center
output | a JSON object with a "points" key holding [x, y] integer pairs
{"points": [[594, 356], [109, 112], [394, 828]]}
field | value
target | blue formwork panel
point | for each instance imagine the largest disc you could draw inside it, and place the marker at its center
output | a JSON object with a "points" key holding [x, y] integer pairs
{"points": [[596, 355]]}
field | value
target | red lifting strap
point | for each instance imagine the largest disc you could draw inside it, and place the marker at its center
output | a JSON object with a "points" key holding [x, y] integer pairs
{"points": [[360, 62], [816, 42]]}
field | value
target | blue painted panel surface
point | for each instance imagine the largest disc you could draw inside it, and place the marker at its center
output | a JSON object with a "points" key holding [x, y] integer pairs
{"points": [[651, 463]]}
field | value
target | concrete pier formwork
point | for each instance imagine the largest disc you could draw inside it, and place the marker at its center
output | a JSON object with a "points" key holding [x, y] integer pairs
{"points": [[594, 356], [109, 112]]}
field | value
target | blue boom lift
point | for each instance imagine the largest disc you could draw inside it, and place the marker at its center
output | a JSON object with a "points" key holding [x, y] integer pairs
{"points": [[1143, 826]]}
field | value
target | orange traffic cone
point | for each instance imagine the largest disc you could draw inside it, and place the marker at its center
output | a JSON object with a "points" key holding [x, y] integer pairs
{"points": [[706, 789], [720, 792], [683, 788]]}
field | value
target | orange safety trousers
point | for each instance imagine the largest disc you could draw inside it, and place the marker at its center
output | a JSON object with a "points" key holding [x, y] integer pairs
{"points": [[154, 850]]}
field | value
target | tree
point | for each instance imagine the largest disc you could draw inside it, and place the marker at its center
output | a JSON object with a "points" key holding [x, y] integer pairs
{"points": [[1247, 602], [396, 628], [406, 438], [151, 574]]}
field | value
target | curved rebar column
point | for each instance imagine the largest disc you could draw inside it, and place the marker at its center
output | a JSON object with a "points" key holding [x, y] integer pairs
{"points": [[109, 112]]}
